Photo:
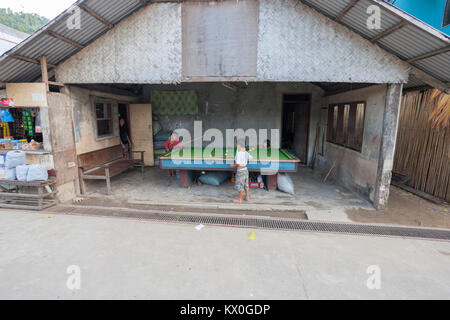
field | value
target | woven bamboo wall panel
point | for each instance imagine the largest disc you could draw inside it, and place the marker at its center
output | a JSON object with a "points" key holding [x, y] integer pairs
{"points": [[423, 152]]}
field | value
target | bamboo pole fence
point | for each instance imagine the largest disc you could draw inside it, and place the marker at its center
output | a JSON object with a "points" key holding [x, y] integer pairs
{"points": [[423, 148]]}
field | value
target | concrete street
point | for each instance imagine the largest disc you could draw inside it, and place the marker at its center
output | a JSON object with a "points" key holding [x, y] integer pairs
{"points": [[130, 259]]}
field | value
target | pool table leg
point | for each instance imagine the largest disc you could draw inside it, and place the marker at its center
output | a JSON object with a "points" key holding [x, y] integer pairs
{"points": [[272, 182], [184, 179]]}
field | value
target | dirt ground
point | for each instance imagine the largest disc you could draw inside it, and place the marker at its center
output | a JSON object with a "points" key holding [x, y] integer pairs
{"points": [[407, 209]]}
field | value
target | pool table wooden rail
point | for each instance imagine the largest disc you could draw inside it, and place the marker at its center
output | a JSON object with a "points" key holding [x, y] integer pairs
{"points": [[267, 167]]}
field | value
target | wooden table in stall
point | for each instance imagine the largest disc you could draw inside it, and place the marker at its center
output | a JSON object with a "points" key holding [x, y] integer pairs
{"points": [[267, 162], [14, 196]]}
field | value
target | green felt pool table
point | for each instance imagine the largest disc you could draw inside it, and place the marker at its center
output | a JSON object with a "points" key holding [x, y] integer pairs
{"points": [[268, 162]]}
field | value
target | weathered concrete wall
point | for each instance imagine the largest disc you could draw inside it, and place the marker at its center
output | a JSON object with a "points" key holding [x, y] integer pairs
{"points": [[358, 170], [294, 43], [256, 106], [245, 107], [62, 137], [144, 48], [388, 143], [84, 125], [59, 140]]}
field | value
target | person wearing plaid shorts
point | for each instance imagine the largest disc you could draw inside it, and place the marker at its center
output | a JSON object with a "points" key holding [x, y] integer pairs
{"points": [[241, 161]]}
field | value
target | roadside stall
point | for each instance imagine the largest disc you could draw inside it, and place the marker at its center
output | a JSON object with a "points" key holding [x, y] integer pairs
{"points": [[20, 128], [25, 165]]}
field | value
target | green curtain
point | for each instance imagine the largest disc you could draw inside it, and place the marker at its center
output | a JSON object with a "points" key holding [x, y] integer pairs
{"points": [[174, 102]]}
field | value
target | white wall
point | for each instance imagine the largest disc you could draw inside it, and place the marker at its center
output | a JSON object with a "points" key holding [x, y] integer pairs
{"points": [[144, 48], [84, 125], [295, 43], [358, 170], [256, 106]]}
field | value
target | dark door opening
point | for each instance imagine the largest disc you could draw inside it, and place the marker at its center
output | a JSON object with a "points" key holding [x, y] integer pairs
{"points": [[295, 125], [124, 114]]}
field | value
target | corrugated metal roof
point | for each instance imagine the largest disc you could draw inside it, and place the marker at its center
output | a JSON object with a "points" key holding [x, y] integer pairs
{"points": [[356, 19], [411, 41], [42, 44], [414, 83]]}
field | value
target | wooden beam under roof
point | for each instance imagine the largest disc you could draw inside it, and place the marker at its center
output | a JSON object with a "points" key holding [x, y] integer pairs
{"points": [[96, 16], [66, 40], [389, 31], [430, 54], [430, 80], [346, 10], [29, 60]]}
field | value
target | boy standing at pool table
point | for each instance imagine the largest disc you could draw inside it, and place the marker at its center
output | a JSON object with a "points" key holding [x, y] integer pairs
{"points": [[241, 161], [171, 144]]}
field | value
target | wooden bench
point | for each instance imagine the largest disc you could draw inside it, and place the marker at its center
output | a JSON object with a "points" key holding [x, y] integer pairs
{"points": [[104, 164], [13, 195]]}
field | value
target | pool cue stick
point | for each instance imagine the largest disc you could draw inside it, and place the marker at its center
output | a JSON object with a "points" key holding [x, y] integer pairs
{"points": [[316, 144], [334, 165], [193, 140]]}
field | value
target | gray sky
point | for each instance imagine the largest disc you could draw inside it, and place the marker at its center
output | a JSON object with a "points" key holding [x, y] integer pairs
{"points": [[47, 8]]}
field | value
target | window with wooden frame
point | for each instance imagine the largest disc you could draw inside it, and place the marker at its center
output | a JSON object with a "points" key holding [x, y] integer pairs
{"points": [[346, 124], [103, 115]]}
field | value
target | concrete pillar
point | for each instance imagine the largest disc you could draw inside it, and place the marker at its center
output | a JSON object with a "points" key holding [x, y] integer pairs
{"points": [[388, 142]]}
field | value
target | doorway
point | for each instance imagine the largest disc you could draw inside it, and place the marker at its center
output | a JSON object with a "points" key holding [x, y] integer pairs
{"points": [[295, 125], [124, 114]]}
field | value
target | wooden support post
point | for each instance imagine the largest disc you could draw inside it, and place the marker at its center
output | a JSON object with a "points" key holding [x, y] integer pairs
{"points": [[108, 181], [184, 179], [44, 72], [82, 183], [388, 142], [272, 182], [41, 197]]}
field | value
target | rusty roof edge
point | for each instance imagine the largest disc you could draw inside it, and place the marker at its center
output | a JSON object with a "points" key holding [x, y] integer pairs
{"points": [[41, 31], [414, 70], [412, 20]]}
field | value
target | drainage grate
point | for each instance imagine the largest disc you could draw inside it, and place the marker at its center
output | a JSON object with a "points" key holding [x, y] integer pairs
{"points": [[258, 222]]}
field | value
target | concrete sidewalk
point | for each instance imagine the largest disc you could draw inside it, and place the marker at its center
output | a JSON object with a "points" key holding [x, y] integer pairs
{"points": [[321, 201], [128, 259]]}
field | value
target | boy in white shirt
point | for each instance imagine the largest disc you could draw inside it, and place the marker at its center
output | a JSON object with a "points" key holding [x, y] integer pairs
{"points": [[241, 161]]}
